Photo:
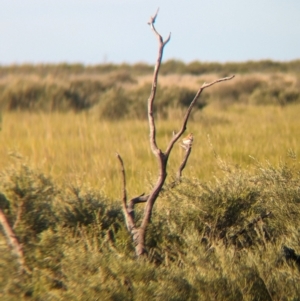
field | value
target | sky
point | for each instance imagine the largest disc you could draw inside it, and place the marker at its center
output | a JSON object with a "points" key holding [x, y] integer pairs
{"points": [[116, 31]]}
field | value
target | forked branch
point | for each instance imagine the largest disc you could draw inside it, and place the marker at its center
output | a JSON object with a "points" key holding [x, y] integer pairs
{"points": [[128, 210]]}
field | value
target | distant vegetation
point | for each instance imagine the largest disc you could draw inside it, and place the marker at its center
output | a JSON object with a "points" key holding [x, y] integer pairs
{"points": [[103, 88], [168, 67]]}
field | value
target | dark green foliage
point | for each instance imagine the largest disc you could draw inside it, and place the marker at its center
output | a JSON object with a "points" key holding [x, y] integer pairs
{"points": [[28, 199], [275, 95], [82, 94], [234, 239], [50, 96], [114, 104]]}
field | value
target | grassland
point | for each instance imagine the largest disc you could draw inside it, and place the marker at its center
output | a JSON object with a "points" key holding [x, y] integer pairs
{"points": [[70, 147], [229, 231]]}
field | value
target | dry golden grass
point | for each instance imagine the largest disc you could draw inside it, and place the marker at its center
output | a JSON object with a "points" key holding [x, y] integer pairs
{"points": [[79, 147], [195, 81]]}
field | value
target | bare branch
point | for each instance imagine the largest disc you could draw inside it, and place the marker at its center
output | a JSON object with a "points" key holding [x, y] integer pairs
{"points": [[124, 194], [13, 242], [152, 19], [206, 85], [188, 112], [151, 98], [183, 163], [128, 211], [139, 199], [128, 217]]}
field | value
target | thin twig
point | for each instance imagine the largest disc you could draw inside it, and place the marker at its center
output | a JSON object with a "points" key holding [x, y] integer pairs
{"points": [[183, 163], [152, 19], [128, 218], [124, 193]]}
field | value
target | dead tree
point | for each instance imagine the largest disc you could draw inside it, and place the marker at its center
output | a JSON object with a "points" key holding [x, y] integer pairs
{"points": [[138, 232]]}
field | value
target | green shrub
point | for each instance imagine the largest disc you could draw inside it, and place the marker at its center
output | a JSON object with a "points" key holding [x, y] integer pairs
{"points": [[167, 98], [22, 96], [114, 104], [48, 95], [28, 197], [39, 96], [173, 66], [226, 239], [275, 95], [176, 97]]}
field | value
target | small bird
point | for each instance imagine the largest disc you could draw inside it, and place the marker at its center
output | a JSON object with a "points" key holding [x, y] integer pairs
{"points": [[187, 141]]}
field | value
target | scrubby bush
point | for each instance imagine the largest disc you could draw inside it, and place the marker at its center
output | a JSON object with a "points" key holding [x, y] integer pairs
{"points": [[173, 66], [238, 92], [23, 96], [168, 98], [48, 95], [114, 104], [274, 95], [178, 98], [65, 87], [117, 103], [28, 199], [37, 94], [232, 239]]}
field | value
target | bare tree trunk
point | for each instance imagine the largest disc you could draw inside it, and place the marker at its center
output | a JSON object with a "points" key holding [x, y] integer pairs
{"points": [[139, 233]]}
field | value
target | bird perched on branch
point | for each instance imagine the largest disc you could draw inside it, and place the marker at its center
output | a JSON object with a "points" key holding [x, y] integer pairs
{"points": [[187, 141]]}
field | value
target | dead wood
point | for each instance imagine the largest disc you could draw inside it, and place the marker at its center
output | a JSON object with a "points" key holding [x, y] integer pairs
{"points": [[138, 233]]}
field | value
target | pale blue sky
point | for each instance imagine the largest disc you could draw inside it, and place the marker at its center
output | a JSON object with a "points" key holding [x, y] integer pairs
{"points": [[94, 31]]}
